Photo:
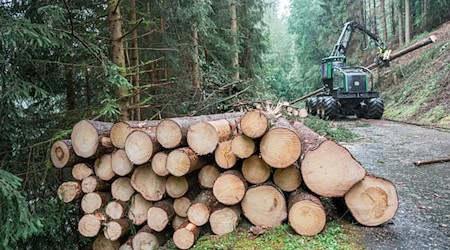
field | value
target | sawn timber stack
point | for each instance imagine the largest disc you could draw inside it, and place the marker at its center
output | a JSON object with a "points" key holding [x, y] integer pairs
{"points": [[171, 178]]}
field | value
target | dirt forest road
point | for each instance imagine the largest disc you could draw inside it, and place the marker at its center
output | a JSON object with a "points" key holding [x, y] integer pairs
{"points": [[388, 149]]}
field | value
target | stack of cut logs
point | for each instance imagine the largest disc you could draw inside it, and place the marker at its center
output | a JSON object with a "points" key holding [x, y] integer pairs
{"points": [[141, 183]]}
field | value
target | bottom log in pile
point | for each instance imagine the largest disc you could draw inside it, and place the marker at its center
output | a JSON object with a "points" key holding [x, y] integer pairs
{"points": [[259, 173]]}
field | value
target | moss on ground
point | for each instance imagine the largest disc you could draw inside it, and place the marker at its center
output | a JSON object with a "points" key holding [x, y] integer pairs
{"points": [[329, 130]]}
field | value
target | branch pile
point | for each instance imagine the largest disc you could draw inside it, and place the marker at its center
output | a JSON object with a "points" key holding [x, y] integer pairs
{"points": [[142, 183]]}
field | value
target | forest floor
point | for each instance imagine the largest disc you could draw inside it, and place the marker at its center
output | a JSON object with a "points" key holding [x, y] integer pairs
{"points": [[388, 149], [416, 87]]}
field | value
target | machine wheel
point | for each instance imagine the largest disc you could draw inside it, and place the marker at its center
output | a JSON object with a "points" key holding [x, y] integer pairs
{"points": [[319, 107], [375, 108], [311, 106], [330, 108]]}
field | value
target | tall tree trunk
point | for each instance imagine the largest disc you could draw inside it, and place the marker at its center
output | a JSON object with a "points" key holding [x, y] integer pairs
{"points": [[362, 14], [70, 93], [383, 14], [118, 52], [374, 17], [234, 34], [400, 24], [407, 22], [425, 14], [393, 19], [87, 89], [135, 57], [196, 78]]}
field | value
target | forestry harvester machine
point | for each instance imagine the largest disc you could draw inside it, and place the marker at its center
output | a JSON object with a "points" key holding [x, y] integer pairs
{"points": [[349, 90]]}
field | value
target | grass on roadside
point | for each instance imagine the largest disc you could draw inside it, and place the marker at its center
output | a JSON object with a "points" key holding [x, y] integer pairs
{"points": [[327, 129]]}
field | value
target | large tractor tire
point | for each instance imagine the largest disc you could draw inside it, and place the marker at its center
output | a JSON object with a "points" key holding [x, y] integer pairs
{"points": [[330, 108], [319, 107], [311, 106], [375, 108]]}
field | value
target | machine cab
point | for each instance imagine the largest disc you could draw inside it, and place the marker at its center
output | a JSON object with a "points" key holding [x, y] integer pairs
{"points": [[350, 80]]}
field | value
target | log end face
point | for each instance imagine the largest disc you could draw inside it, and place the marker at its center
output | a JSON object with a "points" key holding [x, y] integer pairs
{"points": [[307, 218], [121, 189], [91, 202], [198, 214], [119, 133], [157, 219], [223, 155], [137, 212], [81, 171], [254, 124], [103, 168], [203, 138], [115, 210], [139, 147], [176, 187], [89, 225], [181, 206], [223, 221], [255, 170], [280, 147], [113, 230], [69, 191], [169, 134], [229, 189], [59, 154], [120, 163], [207, 176], [159, 161], [184, 238], [84, 139], [178, 163], [145, 240], [242, 146]]}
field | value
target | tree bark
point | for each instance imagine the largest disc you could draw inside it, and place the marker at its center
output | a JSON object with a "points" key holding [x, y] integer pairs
{"points": [[383, 16], [137, 211], [69, 191], [306, 213], [230, 187], [94, 202], [146, 182], [102, 243], [172, 132], [374, 17], [186, 235], [178, 221], [118, 53], [121, 189], [407, 22], [196, 78], [401, 37], [120, 163], [200, 209], [160, 214], [62, 154], [91, 138], [281, 146], [103, 168], [373, 201], [264, 205], [234, 45], [393, 15], [135, 58], [339, 170], [362, 14], [255, 170]]}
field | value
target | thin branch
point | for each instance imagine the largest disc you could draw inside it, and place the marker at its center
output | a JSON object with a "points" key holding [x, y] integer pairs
{"points": [[156, 49], [145, 34], [117, 6], [132, 29]]}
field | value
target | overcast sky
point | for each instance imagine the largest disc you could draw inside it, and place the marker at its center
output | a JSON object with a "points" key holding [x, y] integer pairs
{"points": [[283, 7]]}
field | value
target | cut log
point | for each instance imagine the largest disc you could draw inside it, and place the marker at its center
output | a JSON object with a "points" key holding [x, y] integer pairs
{"points": [[115, 209], [69, 191], [242, 146], [200, 209], [230, 187], [90, 224], [264, 206], [255, 170], [121, 189], [373, 201], [172, 132], [254, 124], [141, 146], [203, 137], [207, 176], [145, 181], [306, 213], [93, 202], [62, 154], [116, 229], [91, 138], [288, 179], [103, 168], [183, 161], [310, 139], [176, 187], [137, 211], [159, 161], [178, 221], [102, 243], [81, 171], [281, 146], [128, 245], [182, 204], [93, 184], [121, 130], [146, 238], [224, 220], [186, 235], [223, 155], [120, 163], [160, 214]]}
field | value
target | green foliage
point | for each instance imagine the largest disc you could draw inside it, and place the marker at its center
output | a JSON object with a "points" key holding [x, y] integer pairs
{"points": [[17, 221], [326, 129]]}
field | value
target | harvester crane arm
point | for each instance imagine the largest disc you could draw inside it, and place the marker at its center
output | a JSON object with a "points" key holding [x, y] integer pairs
{"points": [[340, 49]]}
